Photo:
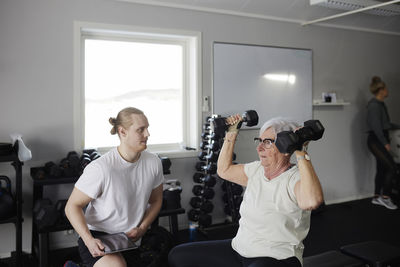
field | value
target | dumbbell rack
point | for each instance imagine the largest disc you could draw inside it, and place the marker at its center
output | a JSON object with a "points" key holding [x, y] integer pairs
{"points": [[40, 236], [17, 218], [203, 178], [232, 199]]}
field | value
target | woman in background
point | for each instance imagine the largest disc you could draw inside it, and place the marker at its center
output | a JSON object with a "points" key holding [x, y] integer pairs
{"points": [[379, 124]]}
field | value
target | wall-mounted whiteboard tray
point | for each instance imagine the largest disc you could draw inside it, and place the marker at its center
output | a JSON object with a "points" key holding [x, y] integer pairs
{"points": [[339, 102]]}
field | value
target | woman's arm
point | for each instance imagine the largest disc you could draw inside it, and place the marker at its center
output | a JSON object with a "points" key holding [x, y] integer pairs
{"points": [[308, 189], [225, 168]]}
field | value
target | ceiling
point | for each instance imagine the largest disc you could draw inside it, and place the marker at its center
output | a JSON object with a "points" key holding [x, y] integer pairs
{"points": [[294, 11]]}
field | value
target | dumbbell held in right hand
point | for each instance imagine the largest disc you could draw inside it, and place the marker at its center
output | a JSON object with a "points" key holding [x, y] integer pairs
{"points": [[220, 125]]}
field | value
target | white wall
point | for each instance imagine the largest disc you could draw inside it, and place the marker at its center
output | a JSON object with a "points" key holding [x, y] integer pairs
{"points": [[36, 83]]}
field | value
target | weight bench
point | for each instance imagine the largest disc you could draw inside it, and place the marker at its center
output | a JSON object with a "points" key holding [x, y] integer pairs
{"points": [[331, 258], [374, 253]]}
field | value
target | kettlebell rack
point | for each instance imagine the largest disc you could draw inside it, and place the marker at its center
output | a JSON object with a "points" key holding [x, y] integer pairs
{"points": [[47, 216], [16, 219]]}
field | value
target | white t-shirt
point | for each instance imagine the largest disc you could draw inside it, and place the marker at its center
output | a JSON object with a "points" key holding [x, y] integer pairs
{"points": [[271, 223], [120, 190]]}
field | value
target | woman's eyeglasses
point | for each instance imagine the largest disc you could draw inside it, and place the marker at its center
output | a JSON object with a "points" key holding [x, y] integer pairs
{"points": [[267, 142]]}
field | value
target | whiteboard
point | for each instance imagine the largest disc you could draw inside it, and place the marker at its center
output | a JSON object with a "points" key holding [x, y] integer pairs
{"points": [[239, 83]]}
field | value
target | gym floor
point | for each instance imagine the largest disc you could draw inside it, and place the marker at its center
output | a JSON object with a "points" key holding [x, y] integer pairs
{"points": [[332, 227]]}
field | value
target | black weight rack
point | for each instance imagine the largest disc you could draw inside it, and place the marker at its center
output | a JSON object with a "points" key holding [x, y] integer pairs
{"points": [[17, 218]]}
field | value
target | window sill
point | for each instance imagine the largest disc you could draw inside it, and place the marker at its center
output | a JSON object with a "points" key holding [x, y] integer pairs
{"points": [[170, 153], [175, 154]]}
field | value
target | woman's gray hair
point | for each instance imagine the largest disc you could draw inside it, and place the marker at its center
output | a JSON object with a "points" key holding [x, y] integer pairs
{"points": [[279, 124]]}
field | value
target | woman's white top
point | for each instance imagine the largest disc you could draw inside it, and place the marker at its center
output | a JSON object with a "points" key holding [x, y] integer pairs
{"points": [[271, 223]]}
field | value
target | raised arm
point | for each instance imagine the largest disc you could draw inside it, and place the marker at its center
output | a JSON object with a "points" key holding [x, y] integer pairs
{"points": [[226, 169], [308, 189]]}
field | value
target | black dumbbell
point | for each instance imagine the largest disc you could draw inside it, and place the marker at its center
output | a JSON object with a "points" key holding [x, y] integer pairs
{"points": [[210, 168], [84, 154], [166, 164], [198, 177], [206, 126], [204, 205], [39, 203], [237, 199], [45, 214], [85, 160], [60, 208], [249, 117], [288, 141], [94, 155], [205, 135], [203, 144], [52, 169], [195, 202], [236, 189], [74, 160], [40, 174], [199, 165], [66, 169], [203, 218], [193, 215], [207, 193], [212, 156], [207, 206], [202, 155], [208, 179], [228, 210], [213, 146]]}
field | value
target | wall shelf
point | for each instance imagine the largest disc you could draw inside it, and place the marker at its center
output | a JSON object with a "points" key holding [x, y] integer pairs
{"points": [[320, 103]]}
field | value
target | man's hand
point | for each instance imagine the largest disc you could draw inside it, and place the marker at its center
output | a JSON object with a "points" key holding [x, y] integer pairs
{"points": [[136, 233], [95, 247], [387, 146]]}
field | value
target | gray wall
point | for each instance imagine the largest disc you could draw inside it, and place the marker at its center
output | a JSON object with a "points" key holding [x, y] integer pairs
{"points": [[36, 83]]}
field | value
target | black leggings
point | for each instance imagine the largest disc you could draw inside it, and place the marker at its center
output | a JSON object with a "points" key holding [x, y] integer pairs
{"points": [[219, 253], [386, 168]]}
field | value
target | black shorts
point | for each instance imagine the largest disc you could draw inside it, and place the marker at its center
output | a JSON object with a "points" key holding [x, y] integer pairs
{"points": [[88, 260]]}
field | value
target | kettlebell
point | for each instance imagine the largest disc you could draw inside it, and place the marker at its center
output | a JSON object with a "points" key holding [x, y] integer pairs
{"points": [[7, 204]]}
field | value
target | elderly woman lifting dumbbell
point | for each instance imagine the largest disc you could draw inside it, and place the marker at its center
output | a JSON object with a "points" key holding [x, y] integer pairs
{"points": [[276, 208]]}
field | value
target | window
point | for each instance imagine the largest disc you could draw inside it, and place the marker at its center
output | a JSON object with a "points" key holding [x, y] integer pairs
{"points": [[156, 71]]}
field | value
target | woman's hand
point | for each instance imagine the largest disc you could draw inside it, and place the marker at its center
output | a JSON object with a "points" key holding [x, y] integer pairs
{"points": [[95, 247], [234, 122], [136, 233]]}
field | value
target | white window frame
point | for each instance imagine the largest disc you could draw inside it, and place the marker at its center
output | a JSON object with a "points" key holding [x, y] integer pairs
{"points": [[191, 81]]}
